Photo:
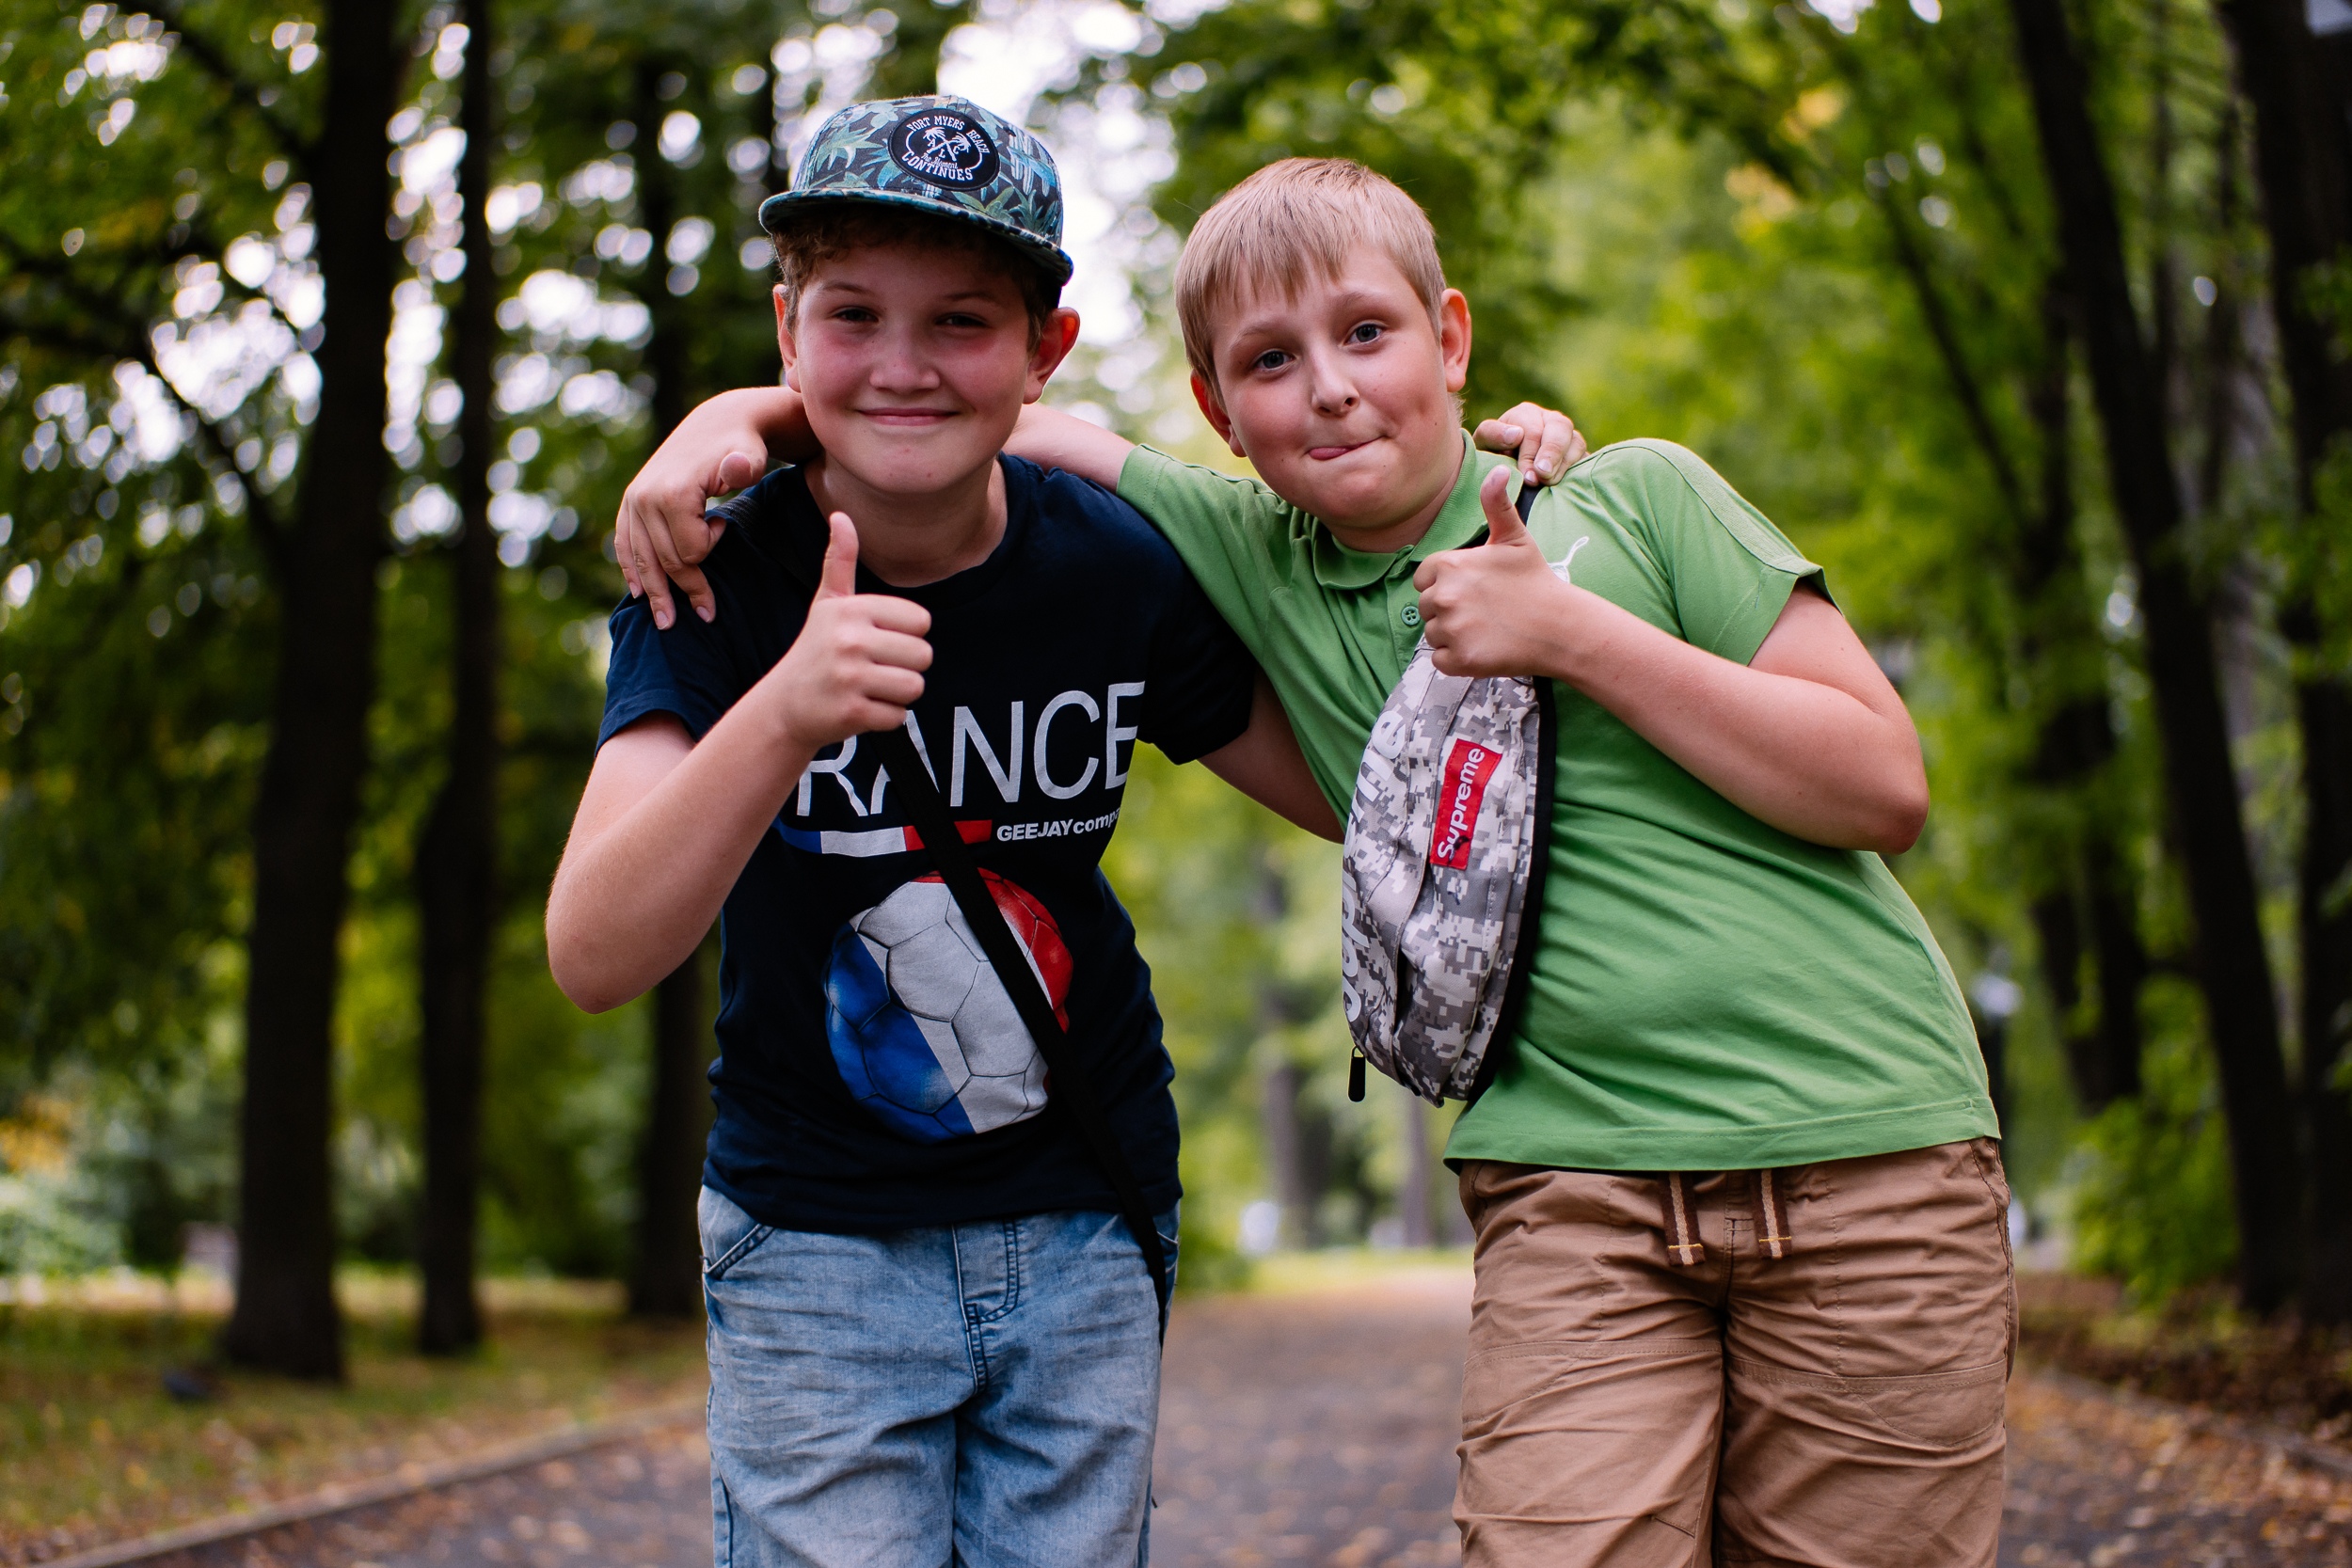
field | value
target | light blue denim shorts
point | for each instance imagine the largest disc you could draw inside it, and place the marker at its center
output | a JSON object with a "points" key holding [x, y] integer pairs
{"points": [[979, 1394]]}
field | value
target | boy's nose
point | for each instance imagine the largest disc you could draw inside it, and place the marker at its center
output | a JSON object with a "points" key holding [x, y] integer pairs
{"points": [[900, 366]]}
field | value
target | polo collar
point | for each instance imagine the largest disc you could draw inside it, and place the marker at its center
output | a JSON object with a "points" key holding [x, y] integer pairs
{"points": [[1458, 521]]}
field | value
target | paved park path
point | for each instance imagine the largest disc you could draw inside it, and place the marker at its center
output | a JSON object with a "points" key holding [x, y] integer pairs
{"points": [[1318, 1429]]}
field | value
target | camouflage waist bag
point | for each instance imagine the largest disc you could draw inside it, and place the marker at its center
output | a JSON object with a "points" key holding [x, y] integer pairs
{"points": [[1442, 870]]}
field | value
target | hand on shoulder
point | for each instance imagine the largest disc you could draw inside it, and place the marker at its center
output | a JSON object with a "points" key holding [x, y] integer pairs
{"points": [[660, 536], [1544, 441]]}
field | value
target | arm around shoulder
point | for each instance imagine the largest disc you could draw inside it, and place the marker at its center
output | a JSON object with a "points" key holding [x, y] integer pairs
{"points": [[728, 441], [1266, 764], [1053, 439]]}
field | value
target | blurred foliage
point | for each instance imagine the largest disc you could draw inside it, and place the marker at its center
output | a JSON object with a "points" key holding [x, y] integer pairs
{"points": [[2151, 1203]]}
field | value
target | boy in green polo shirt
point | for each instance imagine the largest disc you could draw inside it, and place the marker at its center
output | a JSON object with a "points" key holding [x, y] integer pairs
{"points": [[1742, 1279]]}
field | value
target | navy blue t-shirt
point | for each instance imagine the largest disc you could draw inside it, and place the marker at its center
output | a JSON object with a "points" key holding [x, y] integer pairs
{"points": [[872, 1074]]}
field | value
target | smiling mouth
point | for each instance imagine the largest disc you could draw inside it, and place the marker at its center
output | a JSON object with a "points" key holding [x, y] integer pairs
{"points": [[1325, 455], [908, 416]]}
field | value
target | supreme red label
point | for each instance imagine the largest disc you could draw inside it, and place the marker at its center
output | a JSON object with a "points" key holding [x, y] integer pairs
{"points": [[1469, 769]]}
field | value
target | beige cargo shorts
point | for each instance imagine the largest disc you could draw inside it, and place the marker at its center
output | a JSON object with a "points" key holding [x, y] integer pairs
{"points": [[1801, 1366]]}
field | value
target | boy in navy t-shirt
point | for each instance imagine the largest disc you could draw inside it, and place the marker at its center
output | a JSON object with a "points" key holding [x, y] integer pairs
{"points": [[931, 1336]]}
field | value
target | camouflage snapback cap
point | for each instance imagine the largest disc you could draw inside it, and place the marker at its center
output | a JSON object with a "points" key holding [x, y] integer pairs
{"points": [[942, 154]]}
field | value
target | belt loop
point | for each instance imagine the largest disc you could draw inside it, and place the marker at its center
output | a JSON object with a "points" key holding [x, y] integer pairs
{"points": [[1682, 1242], [1771, 1218]]}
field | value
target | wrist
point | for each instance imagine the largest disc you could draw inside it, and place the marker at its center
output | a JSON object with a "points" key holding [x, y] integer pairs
{"points": [[1590, 638], [781, 420], [782, 725]]}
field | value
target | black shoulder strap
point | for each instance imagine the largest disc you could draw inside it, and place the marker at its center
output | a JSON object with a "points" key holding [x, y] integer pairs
{"points": [[1532, 904], [1069, 1085], [1525, 504]]}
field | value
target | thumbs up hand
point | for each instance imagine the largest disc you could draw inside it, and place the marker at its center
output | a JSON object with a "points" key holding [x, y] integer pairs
{"points": [[858, 662], [1496, 609]]}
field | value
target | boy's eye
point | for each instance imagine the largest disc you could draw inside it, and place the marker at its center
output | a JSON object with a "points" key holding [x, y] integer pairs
{"points": [[1272, 359], [1365, 332]]}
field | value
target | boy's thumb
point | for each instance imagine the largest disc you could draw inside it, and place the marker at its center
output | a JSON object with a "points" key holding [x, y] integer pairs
{"points": [[1502, 518], [839, 579], [737, 470]]}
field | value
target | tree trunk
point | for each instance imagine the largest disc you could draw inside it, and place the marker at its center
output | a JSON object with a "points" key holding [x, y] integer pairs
{"points": [[2326, 713], [666, 1277], [2075, 745], [457, 860], [2057, 925], [1291, 1156], [1415, 1193], [776, 175], [309, 802], [2234, 969], [2303, 159], [2121, 960], [1993, 1045]]}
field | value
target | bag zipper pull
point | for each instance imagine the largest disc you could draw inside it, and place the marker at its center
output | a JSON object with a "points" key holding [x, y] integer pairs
{"points": [[1356, 1075]]}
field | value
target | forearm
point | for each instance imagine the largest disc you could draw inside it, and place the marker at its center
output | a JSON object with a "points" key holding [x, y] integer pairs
{"points": [[774, 413], [1266, 764], [1810, 759], [1053, 439], [636, 893]]}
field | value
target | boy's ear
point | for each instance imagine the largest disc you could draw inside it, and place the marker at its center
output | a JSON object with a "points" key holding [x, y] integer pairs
{"points": [[1054, 344], [1213, 410], [1454, 338], [785, 347]]}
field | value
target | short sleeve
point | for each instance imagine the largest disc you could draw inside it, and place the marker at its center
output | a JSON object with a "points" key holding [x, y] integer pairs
{"points": [[685, 671], [1202, 680], [1730, 571], [1221, 526]]}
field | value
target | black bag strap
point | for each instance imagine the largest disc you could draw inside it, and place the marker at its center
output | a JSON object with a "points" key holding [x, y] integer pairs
{"points": [[1070, 1087], [1531, 903]]}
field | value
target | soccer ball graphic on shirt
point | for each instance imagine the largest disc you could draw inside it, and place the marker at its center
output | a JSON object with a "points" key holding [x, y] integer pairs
{"points": [[922, 1030]]}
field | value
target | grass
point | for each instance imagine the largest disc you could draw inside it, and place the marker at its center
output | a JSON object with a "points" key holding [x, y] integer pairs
{"points": [[92, 1450], [1283, 1273]]}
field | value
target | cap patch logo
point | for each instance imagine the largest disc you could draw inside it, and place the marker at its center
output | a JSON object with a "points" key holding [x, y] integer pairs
{"points": [[944, 148]]}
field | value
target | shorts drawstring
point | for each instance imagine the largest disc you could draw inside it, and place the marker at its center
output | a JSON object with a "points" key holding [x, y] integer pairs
{"points": [[1682, 1240], [1771, 1219], [1683, 1249]]}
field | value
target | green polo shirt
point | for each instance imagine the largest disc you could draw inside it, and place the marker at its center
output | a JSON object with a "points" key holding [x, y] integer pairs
{"points": [[1709, 992]]}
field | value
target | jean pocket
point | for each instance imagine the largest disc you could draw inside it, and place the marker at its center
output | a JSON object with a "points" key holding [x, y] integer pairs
{"points": [[729, 1234]]}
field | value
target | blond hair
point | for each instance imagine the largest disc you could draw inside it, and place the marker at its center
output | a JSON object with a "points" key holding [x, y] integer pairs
{"points": [[1292, 219]]}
